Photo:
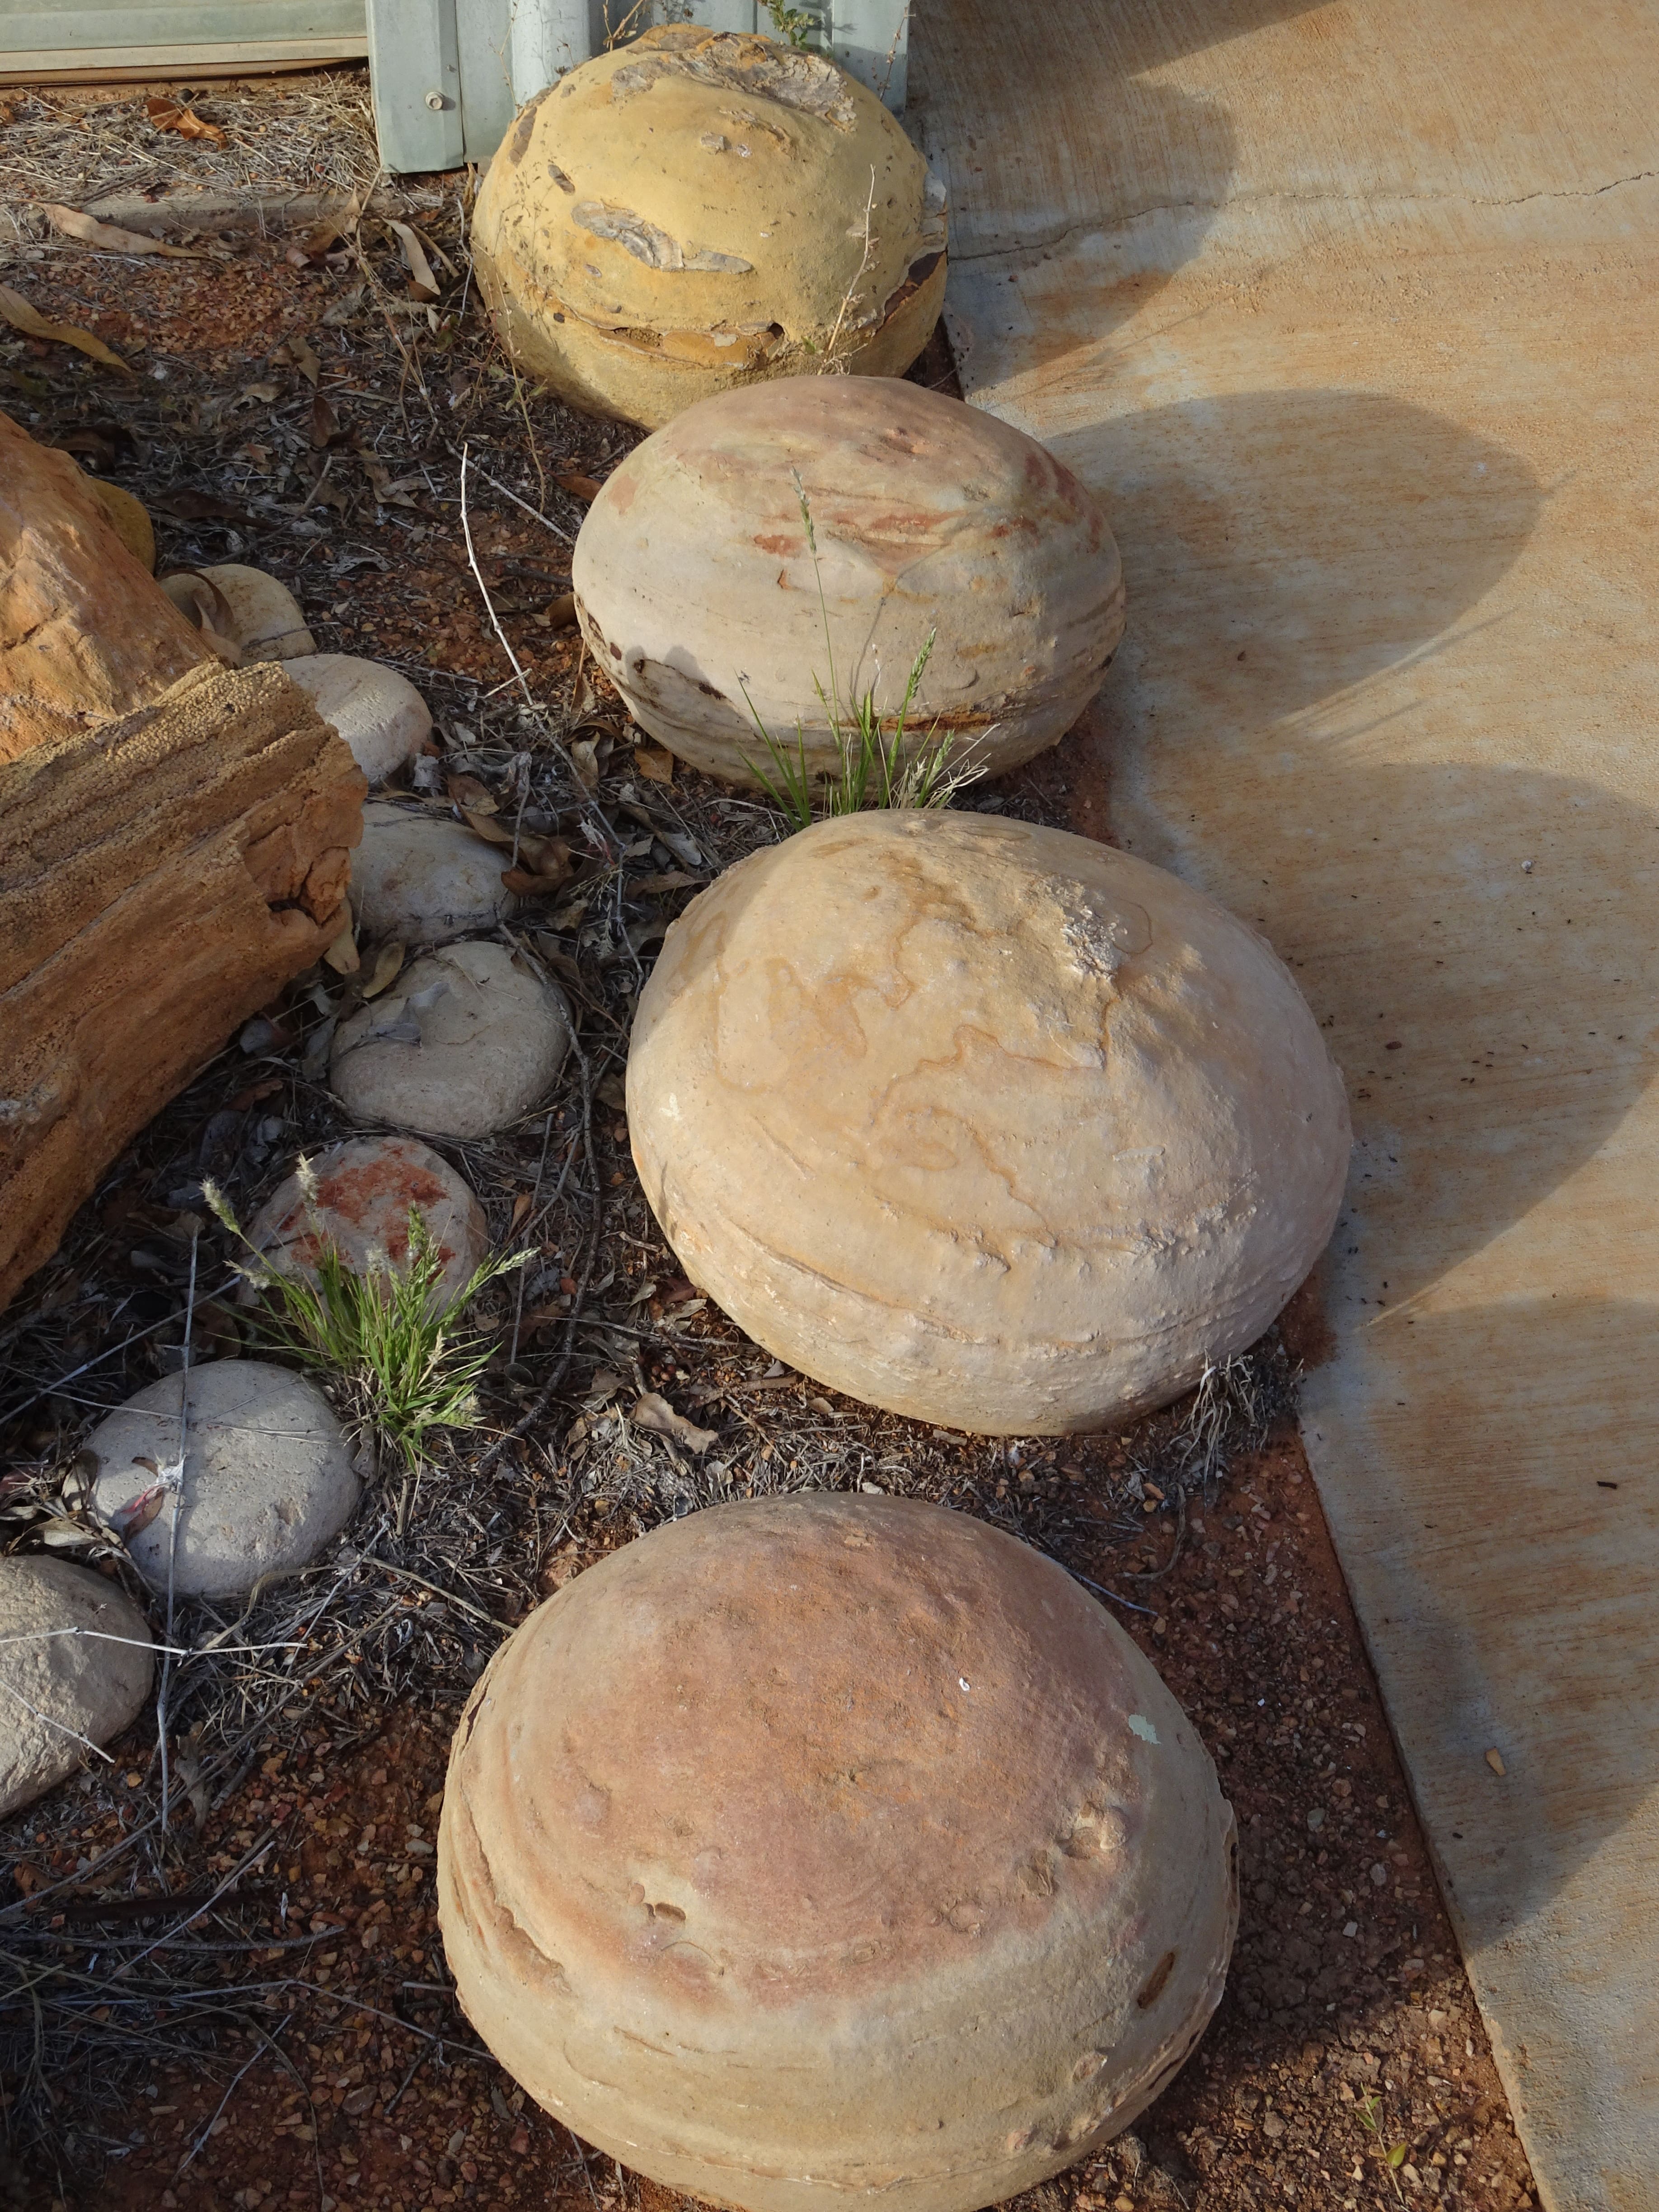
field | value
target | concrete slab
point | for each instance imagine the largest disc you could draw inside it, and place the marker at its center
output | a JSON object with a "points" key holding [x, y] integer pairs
{"points": [[1349, 312]]}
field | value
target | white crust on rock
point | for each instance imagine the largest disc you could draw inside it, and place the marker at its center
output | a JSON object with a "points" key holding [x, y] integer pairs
{"points": [[696, 584], [985, 1123], [826, 1847]]}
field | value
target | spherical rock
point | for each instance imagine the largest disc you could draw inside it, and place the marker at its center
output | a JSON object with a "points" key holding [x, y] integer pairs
{"points": [[467, 1040], [423, 880], [257, 615], [380, 714], [64, 1687], [267, 1479], [362, 1193], [695, 581], [987, 1124], [129, 519], [688, 212], [857, 1799]]}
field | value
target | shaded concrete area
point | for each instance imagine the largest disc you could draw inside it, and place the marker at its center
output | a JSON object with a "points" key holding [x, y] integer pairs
{"points": [[1347, 312]]}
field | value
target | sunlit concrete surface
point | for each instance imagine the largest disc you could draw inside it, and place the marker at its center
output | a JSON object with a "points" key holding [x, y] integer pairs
{"points": [[1349, 312]]}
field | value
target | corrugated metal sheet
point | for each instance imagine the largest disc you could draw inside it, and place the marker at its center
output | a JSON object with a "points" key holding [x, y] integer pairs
{"points": [[449, 75], [206, 37]]}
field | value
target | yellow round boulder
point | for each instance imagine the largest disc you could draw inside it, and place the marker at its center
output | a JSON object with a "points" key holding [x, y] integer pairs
{"points": [[703, 208], [830, 1851]]}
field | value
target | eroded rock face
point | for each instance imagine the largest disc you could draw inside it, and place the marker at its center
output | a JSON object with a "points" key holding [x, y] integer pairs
{"points": [[380, 713], [987, 1124], [688, 212], [423, 881], [56, 1687], [466, 1041], [695, 579], [267, 1482], [363, 1192], [856, 1797]]}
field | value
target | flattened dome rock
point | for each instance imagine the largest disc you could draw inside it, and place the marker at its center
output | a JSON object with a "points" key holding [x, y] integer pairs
{"points": [[362, 1195], [688, 212], [985, 1123], [829, 1848], [57, 1687], [695, 582]]}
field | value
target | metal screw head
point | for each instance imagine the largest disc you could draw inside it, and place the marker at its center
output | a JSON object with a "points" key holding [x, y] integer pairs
{"points": [[435, 100]]}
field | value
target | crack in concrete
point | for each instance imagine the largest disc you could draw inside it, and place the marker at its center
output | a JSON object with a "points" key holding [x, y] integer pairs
{"points": [[1068, 231]]}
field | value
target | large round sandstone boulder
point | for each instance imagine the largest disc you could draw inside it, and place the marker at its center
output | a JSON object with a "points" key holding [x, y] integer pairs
{"points": [[470, 1038], [267, 1482], [360, 1198], [826, 1849], [75, 1661], [695, 582], [688, 212], [987, 1124]]}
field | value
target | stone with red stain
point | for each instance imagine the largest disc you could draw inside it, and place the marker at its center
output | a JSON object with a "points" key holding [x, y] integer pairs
{"points": [[821, 1847], [938, 529], [364, 1192]]}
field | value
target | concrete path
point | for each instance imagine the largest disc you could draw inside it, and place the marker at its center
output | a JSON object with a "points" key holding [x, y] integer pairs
{"points": [[1350, 312]]}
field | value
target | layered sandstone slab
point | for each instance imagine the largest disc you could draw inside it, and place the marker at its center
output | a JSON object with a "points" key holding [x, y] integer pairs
{"points": [[829, 1849], [86, 633], [160, 880]]}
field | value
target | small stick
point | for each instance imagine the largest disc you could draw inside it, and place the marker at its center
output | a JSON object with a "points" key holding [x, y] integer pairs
{"points": [[172, 1545]]}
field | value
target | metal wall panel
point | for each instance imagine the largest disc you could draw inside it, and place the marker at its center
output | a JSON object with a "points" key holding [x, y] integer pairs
{"points": [[505, 52]]}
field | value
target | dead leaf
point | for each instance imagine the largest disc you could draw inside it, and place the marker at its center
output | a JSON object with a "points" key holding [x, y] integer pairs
{"points": [[586, 488], [88, 228], [542, 884], [167, 115], [300, 355], [342, 955], [656, 1414], [266, 392], [561, 612], [585, 756], [22, 317], [486, 826], [387, 962], [470, 795], [191, 506], [385, 491], [325, 423], [423, 285], [140, 1511], [654, 763], [199, 599], [63, 1533], [311, 245], [521, 1206], [1495, 1761], [675, 880], [344, 309]]}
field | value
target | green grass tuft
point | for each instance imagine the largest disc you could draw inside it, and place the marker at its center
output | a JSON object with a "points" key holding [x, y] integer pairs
{"points": [[386, 1339]]}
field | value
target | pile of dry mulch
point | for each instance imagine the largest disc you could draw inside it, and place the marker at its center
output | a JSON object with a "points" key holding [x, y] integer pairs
{"points": [[252, 2007]]}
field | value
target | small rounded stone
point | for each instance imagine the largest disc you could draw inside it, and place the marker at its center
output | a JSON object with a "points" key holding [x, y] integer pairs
{"points": [[791, 1793], [424, 880], [267, 1480], [381, 715], [692, 211], [262, 617], [364, 1191], [56, 1687], [987, 1124], [938, 530], [465, 1042]]}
